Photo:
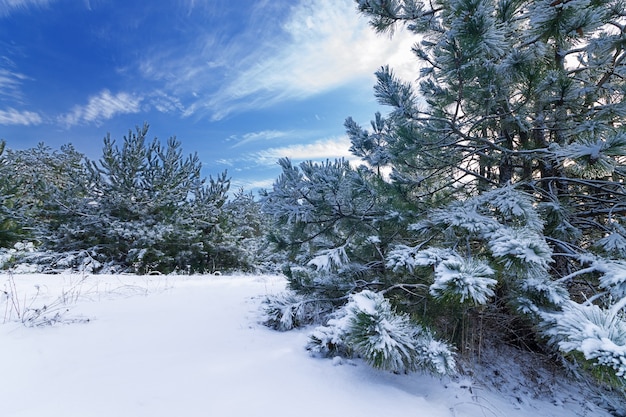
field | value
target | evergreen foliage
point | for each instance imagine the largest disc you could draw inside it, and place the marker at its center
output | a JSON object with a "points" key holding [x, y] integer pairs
{"points": [[243, 234], [289, 310], [506, 188], [147, 208], [9, 217], [36, 184], [368, 327], [142, 207], [598, 333], [337, 220]]}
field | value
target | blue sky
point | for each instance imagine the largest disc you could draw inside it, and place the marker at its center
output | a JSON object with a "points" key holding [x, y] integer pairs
{"points": [[242, 83]]}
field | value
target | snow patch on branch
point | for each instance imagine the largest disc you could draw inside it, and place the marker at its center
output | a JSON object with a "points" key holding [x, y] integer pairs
{"points": [[520, 244], [467, 280], [330, 259], [597, 333], [409, 258]]}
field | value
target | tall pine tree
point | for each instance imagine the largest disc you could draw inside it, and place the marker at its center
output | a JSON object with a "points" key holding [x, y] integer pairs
{"points": [[507, 163]]}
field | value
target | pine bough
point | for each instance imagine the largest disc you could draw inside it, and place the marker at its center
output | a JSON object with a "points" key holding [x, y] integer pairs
{"points": [[367, 327]]}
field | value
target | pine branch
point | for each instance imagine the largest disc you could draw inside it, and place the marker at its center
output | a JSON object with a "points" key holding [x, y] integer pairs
{"points": [[408, 288]]}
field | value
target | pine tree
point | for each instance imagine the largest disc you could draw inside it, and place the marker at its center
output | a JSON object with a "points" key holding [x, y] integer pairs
{"points": [[40, 179], [515, 92], [507, 168], [525, 96], [337, 221], [338, 225], [245, 233], [144, 207], [10, 226], [368, 327]]}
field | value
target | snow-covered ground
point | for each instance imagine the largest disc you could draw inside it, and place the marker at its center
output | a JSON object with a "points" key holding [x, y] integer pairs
{"points": [[193, 346]]}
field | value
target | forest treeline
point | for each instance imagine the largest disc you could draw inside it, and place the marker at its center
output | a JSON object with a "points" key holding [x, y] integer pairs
{"points": [[143, 207]]}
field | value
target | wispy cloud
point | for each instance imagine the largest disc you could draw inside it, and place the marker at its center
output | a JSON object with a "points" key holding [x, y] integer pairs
{"points": [[328, 45], [10, 79], [319, 151], [321, 45], [102, 107], [261, 136], [316, 150], [106, 105], [163, 102], [7, 7], [252, 184], [331, 148], [16, 117]]}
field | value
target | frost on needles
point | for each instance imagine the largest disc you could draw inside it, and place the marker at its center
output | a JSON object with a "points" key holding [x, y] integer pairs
{"points": [[368, 327]]}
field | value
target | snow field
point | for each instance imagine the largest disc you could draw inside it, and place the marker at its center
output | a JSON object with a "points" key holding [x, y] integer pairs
{"points": [[193, 346]]}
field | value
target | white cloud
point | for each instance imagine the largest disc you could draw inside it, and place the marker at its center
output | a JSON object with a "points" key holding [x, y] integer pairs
{"points": [[102, 107], [329, 45], [252, 184], [321, 150], [164, 102], [9, 6], [263, 135], [10, 83], [15, 117], [321, 45]]}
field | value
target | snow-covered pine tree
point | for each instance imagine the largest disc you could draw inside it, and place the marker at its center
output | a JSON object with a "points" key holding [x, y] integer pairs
{"points": [[508, 154], [41, 188], [9, 224], [40, 179], [211, 223], [335, 224], [145, 207], [245, 233], [529, 93], [514, 92]]}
